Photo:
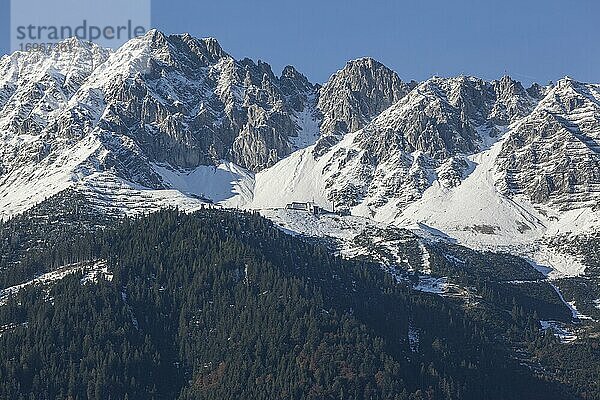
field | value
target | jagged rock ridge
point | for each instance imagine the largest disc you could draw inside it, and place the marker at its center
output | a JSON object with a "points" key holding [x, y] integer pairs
{"points": [[376, 143]]}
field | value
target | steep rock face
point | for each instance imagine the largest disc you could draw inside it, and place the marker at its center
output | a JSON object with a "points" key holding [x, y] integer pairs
{"points": [[34, 89], [553, 156], [173, 100], [354, 95], [512, 101], [186, 102], [34, 86], [426, 121], [445, 117], [270, 109], [424, 137]]}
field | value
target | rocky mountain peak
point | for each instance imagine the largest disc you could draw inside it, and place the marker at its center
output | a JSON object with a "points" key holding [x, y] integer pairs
{"points": [[154, 37], [214, 48], [354, 95], [567, 80], [536, 91], [511, 101], [207, 50], [507, 87], [296, 88], [183, 102], [291, 74], [365, 64], [434, 118], [468, 94]]}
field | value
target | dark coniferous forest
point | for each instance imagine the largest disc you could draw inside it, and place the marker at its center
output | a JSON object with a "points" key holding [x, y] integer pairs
{"points": [[223, 305]]}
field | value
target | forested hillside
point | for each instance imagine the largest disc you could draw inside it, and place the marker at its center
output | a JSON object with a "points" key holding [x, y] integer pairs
{"points": [[217, 305]]}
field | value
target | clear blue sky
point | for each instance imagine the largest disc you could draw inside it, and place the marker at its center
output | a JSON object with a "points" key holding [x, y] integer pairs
{"points": [[533, 40]]}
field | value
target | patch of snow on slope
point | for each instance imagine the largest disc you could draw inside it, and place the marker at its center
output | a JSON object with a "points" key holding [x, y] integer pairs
{"points": [[226, 184], [556, 264], [119, 197], [576, 315], [92, 271], [99, 271], [559, 330], [299, 177], [30, 184], [77, 167], [429, 284], [578, 221], [308, 124], [327, 225], [382, 245], [7, 328], [488, 139], [426, 267], [295, 178], [413, 338]]}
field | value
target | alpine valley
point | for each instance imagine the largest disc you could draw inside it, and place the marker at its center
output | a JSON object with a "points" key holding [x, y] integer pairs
{"points": [[177, 223]]}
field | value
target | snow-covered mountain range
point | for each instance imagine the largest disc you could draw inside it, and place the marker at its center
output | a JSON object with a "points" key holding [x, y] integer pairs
{"points": [[489, 164], [175, 120]]}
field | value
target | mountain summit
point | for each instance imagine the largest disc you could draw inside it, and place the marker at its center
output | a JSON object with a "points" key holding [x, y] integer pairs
{"points": [[177, 119]]}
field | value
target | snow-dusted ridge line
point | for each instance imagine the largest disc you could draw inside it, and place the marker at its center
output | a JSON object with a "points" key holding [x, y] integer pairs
{"points": [[91, 271]]}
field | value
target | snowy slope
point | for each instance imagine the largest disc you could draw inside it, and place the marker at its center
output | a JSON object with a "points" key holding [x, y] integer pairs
{"points": [[34, 87], [298, 177], [475, 209], [357, 237], [226, 183], [462, 198], [475, 213], [478, 215], [31, 183]]}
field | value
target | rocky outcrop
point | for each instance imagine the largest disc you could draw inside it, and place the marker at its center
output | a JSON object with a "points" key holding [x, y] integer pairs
{"points": [[355, 95], [553, 156], [181, 101], [424, 137], [445, 117], [34, 86]]}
